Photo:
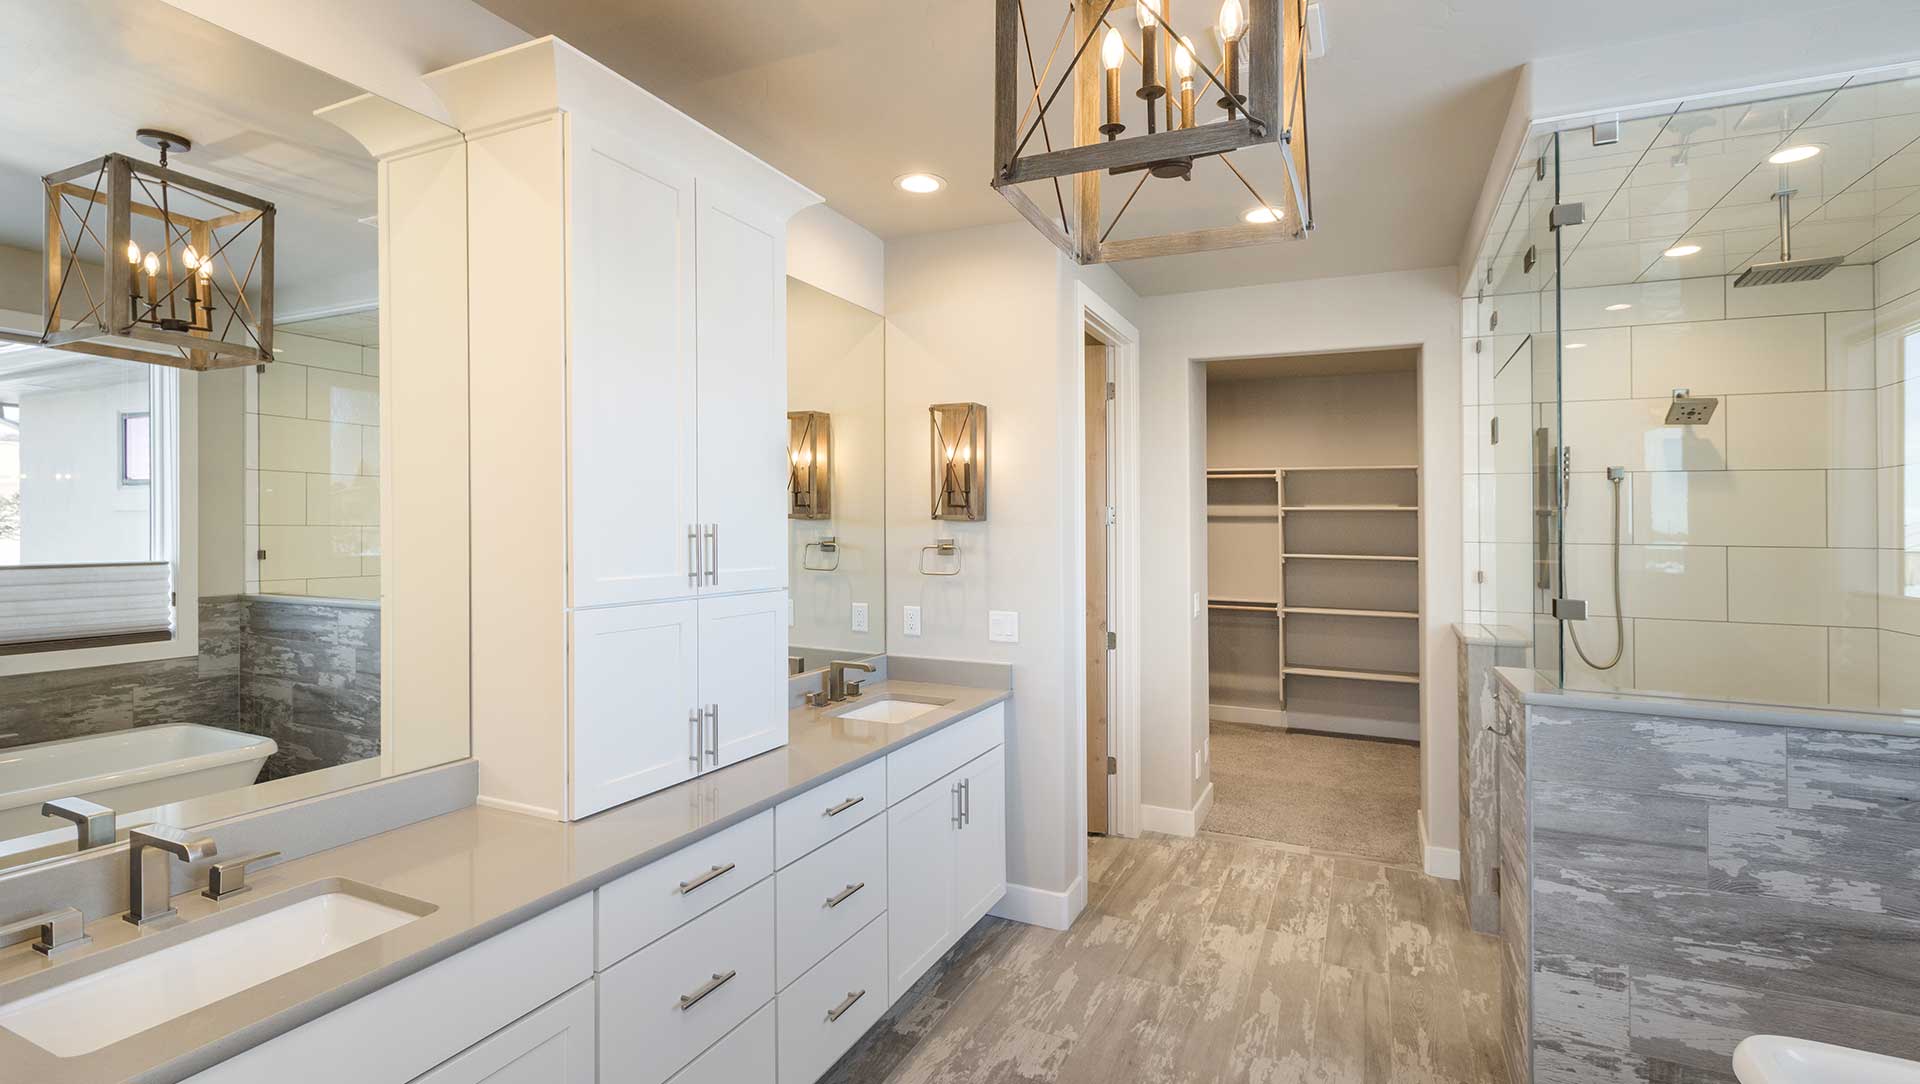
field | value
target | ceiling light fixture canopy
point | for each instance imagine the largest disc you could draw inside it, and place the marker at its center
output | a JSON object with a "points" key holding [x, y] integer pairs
{"points": [[1160, 132], [196, 295]]}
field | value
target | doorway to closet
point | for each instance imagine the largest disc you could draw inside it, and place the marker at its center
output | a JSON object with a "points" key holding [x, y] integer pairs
{"points": [[1313, 585]]}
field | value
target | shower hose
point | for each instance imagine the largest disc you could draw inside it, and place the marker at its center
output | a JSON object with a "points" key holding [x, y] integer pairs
{"points": [[1619, 621]]}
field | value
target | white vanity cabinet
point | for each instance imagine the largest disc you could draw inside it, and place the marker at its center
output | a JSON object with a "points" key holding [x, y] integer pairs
{"points": [[627, 398], [554, 1044]]}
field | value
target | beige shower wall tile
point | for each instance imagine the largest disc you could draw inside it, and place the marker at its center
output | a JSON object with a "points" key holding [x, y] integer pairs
{"points": [[1674, 582], [1647, 303], [1853, 668], [1633, 433], [320, 353], [1786, 586], [1776, 664], [343, 499], [283, 498], [1850, 350], [1731, 508], [1804, 430], [1731, 357], [1598, 364], [1899, 670]]}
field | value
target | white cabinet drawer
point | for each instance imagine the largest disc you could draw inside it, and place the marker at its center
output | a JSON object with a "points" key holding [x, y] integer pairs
{"points": [[638, 909], [933, 756], [748, 1055], [834, 1004], [551, 1045], [828, 811], [829, 895], [674, 998]]}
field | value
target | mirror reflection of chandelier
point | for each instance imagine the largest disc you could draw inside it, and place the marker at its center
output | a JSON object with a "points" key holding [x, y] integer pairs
{"points": [[145, 263]]}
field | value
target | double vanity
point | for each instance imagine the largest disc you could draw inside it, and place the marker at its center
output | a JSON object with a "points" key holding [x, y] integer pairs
{"points": [[745, 926]]}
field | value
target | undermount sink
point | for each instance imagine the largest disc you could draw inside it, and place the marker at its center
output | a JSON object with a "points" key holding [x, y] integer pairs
{"points": [[893, 709], [1776, 1059], [131, 990]]}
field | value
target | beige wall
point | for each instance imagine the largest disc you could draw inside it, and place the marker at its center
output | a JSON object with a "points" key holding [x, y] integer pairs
{"points": [[1405, 308], [1352, 420], [22, 280]]}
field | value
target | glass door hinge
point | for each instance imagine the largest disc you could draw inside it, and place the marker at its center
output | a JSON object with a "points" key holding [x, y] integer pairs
{"points": [[1566, 214]]}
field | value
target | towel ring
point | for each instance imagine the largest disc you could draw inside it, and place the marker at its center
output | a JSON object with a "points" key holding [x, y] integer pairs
{"points": [[945, 547], [827, 545]]}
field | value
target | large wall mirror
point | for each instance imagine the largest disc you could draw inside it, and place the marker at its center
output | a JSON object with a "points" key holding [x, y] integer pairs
{"points": [[190, 574], [836, 492]]}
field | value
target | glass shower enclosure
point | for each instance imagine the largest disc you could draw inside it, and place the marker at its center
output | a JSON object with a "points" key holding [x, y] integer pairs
{"points": [[1689, 341]]}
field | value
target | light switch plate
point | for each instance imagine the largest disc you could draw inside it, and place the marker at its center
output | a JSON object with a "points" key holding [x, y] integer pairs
{"points": [[1003, 626], [859, 617], [910, 620]]}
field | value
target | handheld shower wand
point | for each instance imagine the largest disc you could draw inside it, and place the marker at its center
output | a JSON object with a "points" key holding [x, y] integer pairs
{"points": [[1615, 476]]}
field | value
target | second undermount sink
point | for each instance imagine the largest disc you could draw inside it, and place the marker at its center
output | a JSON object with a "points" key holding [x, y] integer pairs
{"points": [[129, 990], [1776, 1059], [892, 709]]}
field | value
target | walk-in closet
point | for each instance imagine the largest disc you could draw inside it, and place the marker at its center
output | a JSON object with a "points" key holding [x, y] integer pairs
{"points": [[1313, 585]]}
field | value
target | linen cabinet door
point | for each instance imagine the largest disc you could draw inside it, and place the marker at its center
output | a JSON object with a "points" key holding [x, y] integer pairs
{"points": [[635, 689], [980, 845], [743, 675], [631, 373], [743, 393], [920, 882]]}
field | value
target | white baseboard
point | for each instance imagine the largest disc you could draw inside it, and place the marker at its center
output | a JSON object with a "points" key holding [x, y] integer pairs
{"points": [[542, 812], [1229, 713], [1040, 907], [1441, 862], [1177, 822]]}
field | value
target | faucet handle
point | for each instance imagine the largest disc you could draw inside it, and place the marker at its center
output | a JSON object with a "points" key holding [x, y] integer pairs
{"points": [[229, 878], [57, 931]]}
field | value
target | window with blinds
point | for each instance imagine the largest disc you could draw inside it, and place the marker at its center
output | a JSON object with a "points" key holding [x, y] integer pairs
{"points": [[45, 607]]}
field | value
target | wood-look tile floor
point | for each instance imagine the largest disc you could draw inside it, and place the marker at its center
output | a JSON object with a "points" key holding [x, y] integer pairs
{"points": [[1209, 959]]}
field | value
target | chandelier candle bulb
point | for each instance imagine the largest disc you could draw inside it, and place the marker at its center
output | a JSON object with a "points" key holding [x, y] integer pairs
{"points": [[1233, 26], [1112, 52], [1183, 66], [1148, 13]]}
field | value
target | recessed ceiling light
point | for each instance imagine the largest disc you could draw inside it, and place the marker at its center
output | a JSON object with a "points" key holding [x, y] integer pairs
{"points": [[919, 184], [1678, 251], [1786, 156], [1621, 307], [1576, 346], [1258, 216]]}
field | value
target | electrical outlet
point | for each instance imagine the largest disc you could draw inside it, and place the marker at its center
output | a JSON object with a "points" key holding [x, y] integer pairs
{"points": [[910, 620], [859, 617], [1003, 626]]}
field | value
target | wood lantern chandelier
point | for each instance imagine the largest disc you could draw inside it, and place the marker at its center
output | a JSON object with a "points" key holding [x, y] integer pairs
{"points": [[145, 263], [1266, 107]]}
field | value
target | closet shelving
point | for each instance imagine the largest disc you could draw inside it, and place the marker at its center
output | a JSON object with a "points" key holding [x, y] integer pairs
{"points": [[1314, 596]]}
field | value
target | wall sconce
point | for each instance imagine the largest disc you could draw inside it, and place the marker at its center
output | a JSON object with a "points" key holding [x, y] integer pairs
{"points": [[809, 455], [959, 460]]}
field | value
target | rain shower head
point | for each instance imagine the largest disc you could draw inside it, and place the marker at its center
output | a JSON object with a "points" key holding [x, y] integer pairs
{"points": [[1689, 409], [1786, 269]]}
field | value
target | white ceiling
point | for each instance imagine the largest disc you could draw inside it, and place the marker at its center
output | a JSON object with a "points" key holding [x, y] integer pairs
{"points": [[79, 76], [844, 95]]}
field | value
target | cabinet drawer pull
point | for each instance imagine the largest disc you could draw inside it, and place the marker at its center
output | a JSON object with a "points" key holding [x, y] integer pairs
{"points": [[689, 886], [693, 556], [840, 897], [966, 802], [840, 1010], [834, 811], [688, 1001]]}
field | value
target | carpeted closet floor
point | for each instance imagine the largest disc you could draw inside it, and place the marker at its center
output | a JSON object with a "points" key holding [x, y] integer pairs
{"points": [[1340, 795]]}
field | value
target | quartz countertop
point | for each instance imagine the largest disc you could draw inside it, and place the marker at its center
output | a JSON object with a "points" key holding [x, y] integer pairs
{"points": [[484, 870], [1537, 690]]}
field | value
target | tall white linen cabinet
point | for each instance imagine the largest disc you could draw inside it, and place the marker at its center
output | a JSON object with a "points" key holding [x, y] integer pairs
{"points": [[627, 288]]}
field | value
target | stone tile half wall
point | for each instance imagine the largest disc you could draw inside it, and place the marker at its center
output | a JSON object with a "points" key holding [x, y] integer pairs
{"points": [[1697, 882], [305, 673]]}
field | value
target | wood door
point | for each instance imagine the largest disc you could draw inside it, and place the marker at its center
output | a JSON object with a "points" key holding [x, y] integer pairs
{"points": [[630, 372], [742, 353], [551, 1045], [980, 846], [635, 683], [1099, 533], [743, 675], [921, 886]]}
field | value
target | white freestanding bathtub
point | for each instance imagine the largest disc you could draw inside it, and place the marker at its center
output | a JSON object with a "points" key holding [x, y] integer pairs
{"points": [[128, 769]]}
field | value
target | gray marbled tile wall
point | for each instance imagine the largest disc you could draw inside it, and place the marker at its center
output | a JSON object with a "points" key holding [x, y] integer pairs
{"points": [[302, 672], [1695, 882]]}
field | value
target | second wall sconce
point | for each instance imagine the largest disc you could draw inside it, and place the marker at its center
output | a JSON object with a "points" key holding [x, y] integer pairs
{"points": [[959, 461], [809, 462]]}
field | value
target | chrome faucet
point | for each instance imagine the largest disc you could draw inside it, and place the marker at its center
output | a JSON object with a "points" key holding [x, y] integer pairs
{"points": [[836, 679], [149, 883], [93, 821], [54, 932]]}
